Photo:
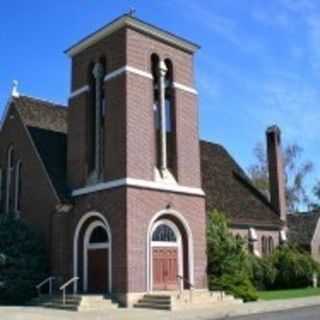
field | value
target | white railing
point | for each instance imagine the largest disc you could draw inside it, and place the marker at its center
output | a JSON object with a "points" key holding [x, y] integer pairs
{"points": [[181, 280], [41, 284], [64, 287]]}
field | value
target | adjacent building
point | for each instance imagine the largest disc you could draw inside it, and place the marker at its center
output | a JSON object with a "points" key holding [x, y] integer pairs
{"points": [[304, 232]]}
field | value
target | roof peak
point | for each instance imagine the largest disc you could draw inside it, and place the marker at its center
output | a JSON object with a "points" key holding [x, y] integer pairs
{"points": [[130, 20]]}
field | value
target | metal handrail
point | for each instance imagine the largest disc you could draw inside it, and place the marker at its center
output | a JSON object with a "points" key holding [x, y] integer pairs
{"points": [[181, 278], [65, 285], [50, 280]]}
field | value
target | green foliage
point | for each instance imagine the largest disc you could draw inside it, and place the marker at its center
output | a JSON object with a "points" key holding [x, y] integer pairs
{"points": [[232, 269], [262, 272], [227, 260], [287, 268], [294, 268], [22, 261]]}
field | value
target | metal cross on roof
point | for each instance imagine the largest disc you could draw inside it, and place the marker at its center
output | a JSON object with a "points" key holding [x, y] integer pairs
{"points": [[132, 12], [15, 92]]}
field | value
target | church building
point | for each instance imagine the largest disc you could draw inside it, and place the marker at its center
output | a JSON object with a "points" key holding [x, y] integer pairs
{"points": [[114, 182]]}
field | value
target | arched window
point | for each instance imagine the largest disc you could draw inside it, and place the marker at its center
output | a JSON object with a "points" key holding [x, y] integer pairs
{"points": [[99, 235], [165, 131], [18, 188], [170, 118], [91, 123], [9, 187], [156, 107], [96, 120], [264, 246], [164, 233], [238, 237], [270, 245]]}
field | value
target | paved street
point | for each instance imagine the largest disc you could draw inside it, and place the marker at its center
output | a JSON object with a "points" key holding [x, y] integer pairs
{"points": [[311, 313], [294, 309]]}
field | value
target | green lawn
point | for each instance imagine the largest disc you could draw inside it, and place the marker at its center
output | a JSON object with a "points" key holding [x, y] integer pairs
{"points": [[288, 294]]}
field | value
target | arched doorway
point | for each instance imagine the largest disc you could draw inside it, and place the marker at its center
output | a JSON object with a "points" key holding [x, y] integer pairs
{"points": [[166, 251], [92, 256], [96, 256], [169, 252]]}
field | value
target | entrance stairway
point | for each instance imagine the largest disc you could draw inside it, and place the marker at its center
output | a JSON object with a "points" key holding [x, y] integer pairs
{"points": [[185, 300], [75, 302]]}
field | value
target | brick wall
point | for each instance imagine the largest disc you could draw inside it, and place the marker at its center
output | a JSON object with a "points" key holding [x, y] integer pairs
{"points": [[130, 142], [142, 207], [112, 205], [129, 213], [38, 199]]}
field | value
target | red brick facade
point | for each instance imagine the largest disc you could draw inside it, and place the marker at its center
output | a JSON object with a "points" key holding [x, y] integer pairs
{"points": [[130, 153]]}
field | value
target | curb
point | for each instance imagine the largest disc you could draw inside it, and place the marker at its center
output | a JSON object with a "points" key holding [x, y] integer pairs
{"points": [[262, 307]]}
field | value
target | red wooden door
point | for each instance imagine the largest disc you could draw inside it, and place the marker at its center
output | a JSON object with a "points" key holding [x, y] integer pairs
{"points": [[165, 268], [98, 270]]}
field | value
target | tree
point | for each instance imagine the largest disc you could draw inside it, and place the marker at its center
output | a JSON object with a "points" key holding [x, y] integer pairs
{"points": [[23, 262], [315, 205], [227, 260], [295, 171]]}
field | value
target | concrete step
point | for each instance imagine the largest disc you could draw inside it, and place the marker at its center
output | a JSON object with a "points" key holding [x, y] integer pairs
{"points": [[75, 302], [157, 296], [60, 306], [155, 301], [150, 305]]}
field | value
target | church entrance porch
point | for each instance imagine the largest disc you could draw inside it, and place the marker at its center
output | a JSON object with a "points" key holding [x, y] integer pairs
{"points": [[92, 255], [166, 255], [96, 246], [169, 257]]}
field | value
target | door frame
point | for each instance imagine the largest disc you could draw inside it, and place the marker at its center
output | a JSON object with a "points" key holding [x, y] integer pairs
{"points": [[163, 244], [89, 246]]}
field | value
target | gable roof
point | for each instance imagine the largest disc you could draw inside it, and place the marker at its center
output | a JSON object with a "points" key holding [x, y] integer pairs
{"points": [[42, 114], [302, 227], [229, 190], [47, 124]]}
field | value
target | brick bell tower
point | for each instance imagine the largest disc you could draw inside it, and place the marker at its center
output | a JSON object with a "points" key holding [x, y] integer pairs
{"points": [[133, 155]]}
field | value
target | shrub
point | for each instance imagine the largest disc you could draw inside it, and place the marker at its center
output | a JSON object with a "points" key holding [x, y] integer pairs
{"points": [[262, 272], [22, 261], [227, 260], [294, 269]]}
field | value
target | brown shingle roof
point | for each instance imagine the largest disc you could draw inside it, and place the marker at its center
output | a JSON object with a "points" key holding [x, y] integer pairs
{"points": [[42, 114], [302, 227], [229, 190], [47, 124], [52, 148]]}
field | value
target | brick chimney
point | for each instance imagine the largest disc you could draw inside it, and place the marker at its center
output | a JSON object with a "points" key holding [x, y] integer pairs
{"points": [[276, 174]]}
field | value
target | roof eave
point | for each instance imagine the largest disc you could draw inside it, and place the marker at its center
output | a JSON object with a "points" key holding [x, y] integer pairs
{"points": [[137, 24]]}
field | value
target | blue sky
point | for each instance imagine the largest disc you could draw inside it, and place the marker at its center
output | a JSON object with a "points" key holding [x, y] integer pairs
{"points": [[259, 63]]}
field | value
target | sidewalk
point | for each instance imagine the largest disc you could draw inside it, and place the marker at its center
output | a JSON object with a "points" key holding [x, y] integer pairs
{"points": [[215, 313]]}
